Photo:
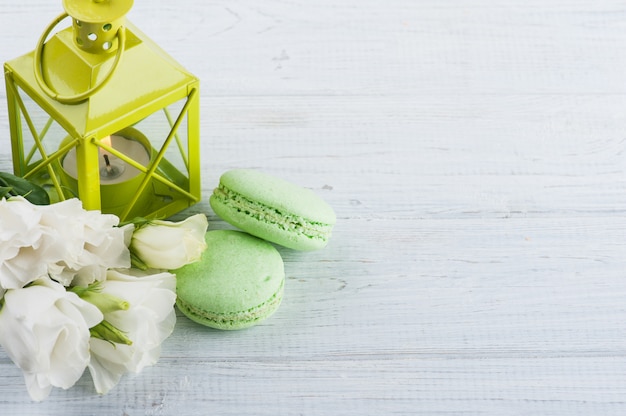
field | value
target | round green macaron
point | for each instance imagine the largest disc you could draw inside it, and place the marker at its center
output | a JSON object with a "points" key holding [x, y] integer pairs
{"points": [[273, 209], [237, 283]]}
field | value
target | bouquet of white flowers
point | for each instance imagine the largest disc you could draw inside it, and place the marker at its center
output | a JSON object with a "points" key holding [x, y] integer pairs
{"points": [[70, 298]]}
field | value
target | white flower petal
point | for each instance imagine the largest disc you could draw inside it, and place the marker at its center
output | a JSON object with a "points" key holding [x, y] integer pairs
{"points": [[38, 387], [106, 367]]}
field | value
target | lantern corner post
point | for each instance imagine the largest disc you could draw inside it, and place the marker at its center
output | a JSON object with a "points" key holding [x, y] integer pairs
{"points": [[87, 155], [15, 124], [193, 135]]}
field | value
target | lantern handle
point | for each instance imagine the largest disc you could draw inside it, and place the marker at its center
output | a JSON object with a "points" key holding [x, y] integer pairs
{"points": [[73, 99]]}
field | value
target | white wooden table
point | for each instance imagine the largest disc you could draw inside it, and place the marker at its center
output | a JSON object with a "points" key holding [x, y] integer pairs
{"points": [[475, 154]]}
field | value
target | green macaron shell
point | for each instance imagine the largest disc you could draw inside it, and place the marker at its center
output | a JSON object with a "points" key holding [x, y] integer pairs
{"points": [[238, 282], [273, 209]]}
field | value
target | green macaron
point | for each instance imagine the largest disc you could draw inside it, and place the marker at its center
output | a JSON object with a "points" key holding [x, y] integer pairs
{"points": [[237, 283], [273, 209]]}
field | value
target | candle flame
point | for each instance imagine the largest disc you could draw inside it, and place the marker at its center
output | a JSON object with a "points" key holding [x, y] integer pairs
{"points": [[106, 141]]}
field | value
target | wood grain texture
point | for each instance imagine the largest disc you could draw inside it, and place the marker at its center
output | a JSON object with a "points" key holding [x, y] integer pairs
{"points": [[475, 155]]}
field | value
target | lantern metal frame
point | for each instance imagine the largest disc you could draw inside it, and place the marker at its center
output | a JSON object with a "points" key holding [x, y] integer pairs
{"points": [[94, 95]]}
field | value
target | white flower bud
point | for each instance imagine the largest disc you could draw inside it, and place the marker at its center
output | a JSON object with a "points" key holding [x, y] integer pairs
{"points": [[170, 245]]}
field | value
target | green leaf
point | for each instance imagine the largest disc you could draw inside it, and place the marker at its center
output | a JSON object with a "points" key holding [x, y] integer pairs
{"points": [[16, 186], [4, 191]]}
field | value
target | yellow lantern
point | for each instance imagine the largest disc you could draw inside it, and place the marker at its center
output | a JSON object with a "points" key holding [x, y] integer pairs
{"points": [[98, 111]]}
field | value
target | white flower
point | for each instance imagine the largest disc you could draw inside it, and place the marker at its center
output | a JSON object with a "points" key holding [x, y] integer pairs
{"points": [[62, 240], [92, 241], [45, 331], [147, 322], [26, 248], [170, 245]]}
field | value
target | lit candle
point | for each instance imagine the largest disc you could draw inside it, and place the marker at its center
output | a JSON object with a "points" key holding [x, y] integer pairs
{"points": [[113, 170]]}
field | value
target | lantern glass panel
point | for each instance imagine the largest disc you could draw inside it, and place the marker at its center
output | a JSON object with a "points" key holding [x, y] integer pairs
{"points": [[158, 126]]}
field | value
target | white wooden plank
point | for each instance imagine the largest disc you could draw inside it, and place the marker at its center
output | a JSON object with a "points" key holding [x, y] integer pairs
{"points": [[474, 153]]}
